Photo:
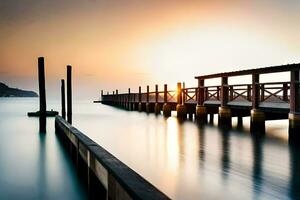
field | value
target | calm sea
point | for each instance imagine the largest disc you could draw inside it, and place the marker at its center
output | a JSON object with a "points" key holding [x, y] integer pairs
{"points": [[183, 159]]}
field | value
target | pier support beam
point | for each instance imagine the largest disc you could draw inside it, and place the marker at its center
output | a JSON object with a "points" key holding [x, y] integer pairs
{"points": [[257, 116], [140, 99], [128, 104], [69, 93], [294, 115], [149, 107], [180, 108], [63, 99], [157, 107], [224, 111], [166, 106], [42, 89], [201, 111]]}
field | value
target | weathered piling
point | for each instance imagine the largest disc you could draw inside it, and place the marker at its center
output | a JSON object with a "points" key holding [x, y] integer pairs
{"points": [[42, 89], [157, 107], [257, 116], [128, 103], [63, 101], [294, 115], [140, 99], [42, 93], [166, 106], [149, 106], [180, 108], [201, 111], [69, 93], [224, 111]]}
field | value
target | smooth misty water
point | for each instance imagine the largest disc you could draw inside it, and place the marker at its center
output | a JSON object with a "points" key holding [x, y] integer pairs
{"points": [[33, 165], [184, 160]]}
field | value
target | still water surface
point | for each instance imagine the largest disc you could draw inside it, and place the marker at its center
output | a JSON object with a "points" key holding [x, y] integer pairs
{"points": [[184, 160]]}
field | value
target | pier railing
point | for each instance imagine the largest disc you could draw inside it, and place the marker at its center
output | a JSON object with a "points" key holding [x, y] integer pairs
{"points": [[259, 100]]}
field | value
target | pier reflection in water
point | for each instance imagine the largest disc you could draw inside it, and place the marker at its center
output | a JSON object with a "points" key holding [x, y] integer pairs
{"points": [[33, 162], [191, 161]]}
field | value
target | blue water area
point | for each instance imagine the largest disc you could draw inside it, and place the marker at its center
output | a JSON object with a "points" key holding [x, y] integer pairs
{"points": [[185, 160], [33, 165]]}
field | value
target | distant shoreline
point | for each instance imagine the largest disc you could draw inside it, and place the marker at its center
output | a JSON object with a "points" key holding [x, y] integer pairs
{"points": [[8, 92]]}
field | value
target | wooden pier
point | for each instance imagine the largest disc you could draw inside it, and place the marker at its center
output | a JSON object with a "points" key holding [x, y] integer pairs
{"points": [[260, 101]]}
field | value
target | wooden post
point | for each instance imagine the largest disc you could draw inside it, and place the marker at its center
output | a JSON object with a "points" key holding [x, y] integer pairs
{"points": [[180, 108], [166, 106], [184, 92], [249, 92], [156, 93], [147, 95], [69, 93], [129, 100], [218, 93], [140, 94], [63, 100], [294, 96], [255, 91], [165, 93], [101, 95], [262, 92], [294, 115], [257, 117], [285, 92], [201, 112], [140, 99], [231, 92], [206, 94], [42, 89], [224, 91], [179, 94], [224, 112]]}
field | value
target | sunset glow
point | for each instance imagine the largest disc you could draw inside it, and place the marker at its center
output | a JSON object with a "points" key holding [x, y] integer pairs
{"points": [[140, 43]]}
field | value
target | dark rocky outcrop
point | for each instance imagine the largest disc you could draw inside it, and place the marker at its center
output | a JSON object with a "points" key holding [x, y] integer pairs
{"points": [[6, 91]]}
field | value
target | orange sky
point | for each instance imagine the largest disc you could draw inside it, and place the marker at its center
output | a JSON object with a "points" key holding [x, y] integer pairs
{"points": [[121, 44]]}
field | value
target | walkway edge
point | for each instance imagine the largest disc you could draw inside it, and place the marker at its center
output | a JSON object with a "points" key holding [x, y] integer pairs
{"points": [[120, 181]]}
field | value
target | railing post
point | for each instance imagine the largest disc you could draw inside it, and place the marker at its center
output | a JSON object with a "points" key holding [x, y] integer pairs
{"points": [[147, 96], [140, 99], [249, 93], [201, 111], [231, 93], [149, 107], [69, 93], [128, 100], [294, 115], [218, 93], [117, 98], [166, 106], [157, 107], [165, 93], [179, 93], [285, 92], [183, 93], [224, 110], [257, 116], [63, 99], [262, 92], [180, 108]]}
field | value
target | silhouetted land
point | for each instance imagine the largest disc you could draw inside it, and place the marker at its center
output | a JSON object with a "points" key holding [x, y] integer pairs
{"points": [[6, 91]]}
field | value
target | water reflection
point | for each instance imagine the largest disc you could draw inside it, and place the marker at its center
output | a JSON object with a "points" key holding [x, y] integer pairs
{"points": [[257, 142], [295, 172], [189, 160]]}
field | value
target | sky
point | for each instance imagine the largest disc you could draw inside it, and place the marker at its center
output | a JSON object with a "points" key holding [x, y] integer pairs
{"points": [[119, 44]]}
